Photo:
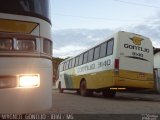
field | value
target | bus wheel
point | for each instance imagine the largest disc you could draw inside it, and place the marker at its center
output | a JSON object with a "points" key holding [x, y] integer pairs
{"points": [[83, 89], [60, 88], [109, 93], [78, 92]]}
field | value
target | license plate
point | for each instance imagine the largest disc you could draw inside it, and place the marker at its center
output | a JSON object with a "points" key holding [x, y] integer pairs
{"points": [[141, 74]]}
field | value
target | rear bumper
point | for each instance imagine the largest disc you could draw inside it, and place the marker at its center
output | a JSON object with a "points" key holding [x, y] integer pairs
{"points": [[134, 83]]}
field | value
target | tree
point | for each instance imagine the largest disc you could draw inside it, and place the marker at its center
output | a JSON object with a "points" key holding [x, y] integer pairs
{"points": [[56, 62]]}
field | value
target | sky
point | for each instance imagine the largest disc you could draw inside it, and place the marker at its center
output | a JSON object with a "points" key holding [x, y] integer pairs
{"points": [[99, 14], [93, 20]]}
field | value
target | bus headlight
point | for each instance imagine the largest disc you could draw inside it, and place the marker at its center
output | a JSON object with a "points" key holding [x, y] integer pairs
{"points": [[47, 46], [26, 45], [29, 81], [6, 44]]}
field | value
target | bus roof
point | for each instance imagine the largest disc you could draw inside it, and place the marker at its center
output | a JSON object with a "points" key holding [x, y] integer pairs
{"points": [[105, 39]]}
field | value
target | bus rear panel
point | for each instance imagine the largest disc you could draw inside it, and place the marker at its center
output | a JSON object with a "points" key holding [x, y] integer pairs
{"points": [[134, 61]]}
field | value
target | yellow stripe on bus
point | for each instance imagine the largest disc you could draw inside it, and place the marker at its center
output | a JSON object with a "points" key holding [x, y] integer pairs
{"points": [[109, 78], [17, 26]]}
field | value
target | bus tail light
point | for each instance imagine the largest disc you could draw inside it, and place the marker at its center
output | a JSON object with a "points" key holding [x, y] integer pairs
{"points": [[116, 65], [28, 81], [6, 44], [26, 45], [8, 82], [47, 46]]}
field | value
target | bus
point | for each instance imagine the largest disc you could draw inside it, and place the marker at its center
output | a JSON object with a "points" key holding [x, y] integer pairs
{"points": [[124, 61], [25, 56]]}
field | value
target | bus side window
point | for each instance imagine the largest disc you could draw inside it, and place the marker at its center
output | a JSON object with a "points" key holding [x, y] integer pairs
{"points": [[81, 59], [77, 59], [67, 65], [96, 53], [61, 67], [70, 63], [73, 62], [103, 50], [90, 55], [110, 47], [85, 59], [64, 66]]}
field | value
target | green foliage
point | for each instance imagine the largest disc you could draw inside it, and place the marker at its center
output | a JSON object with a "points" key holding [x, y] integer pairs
{"points": [[57, 60]]}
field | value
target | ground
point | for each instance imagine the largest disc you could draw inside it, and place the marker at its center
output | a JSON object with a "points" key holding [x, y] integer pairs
{"points": [[125, 106], [123, 103]]}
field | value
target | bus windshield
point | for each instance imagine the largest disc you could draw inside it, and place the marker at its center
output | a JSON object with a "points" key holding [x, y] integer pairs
{"points": [[35, 8]]}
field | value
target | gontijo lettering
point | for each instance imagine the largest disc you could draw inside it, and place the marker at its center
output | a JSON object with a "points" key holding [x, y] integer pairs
{"points": [[134, 47]]}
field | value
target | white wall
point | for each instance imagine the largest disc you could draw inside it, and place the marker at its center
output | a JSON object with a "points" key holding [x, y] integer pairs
{"points": [[157, 60], [157, 65]]}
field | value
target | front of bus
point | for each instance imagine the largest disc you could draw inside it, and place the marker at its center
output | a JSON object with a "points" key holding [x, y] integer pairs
{"points": [[25, 56]]}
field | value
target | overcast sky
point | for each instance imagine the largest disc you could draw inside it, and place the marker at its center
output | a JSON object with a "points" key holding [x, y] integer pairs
{"points": [[94, 20], [98, 14]]}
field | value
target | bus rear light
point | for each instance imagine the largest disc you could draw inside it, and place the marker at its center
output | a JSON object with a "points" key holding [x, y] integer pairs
{"points": [[6, 44], [8, 82], [116, 64], [26, 45], [28, 81], [47, 46], [141, 75], [117, 88]]}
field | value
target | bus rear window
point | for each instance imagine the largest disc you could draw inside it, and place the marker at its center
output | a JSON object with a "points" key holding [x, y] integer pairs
{"points": [[35, 8], [110, 47]]}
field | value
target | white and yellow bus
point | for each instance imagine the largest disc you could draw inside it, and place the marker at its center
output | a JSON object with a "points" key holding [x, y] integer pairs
{"points": [[123, 61], [25, 56]]}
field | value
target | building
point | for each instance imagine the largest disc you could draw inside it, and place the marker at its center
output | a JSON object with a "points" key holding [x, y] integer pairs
{"points": [[157, 67]]}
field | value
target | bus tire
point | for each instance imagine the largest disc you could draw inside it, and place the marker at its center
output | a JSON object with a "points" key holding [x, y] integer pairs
{"points": [[78, 92], [83, 89], [60, 88], [109, 93]]}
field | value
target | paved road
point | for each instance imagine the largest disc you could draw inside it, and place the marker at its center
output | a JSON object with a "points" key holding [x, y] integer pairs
{"points": [[123, 103]]}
